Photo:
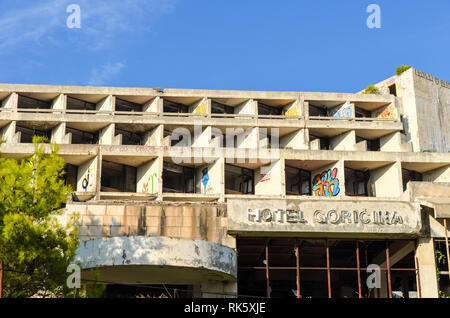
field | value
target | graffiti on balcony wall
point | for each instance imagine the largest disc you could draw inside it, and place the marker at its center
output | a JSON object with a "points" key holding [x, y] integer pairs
{"points": [[151, 178], [85, 182], [265, 177], [292, 111], [205, 178], [388, 112], [344, 111], [326, 184]]}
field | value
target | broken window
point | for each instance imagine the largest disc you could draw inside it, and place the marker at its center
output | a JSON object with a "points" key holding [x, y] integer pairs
{"points": [[362, 113], [298, 181], [178, 179], [126, 106], [393, 90], [80, 137], [78, 104], [357, 183], [372, 145], [239, 180], [70, 176], [129, 138], [217, 108], [172, 107], [409, 175], [118, 177], [316, 111], [324, 143], [32, 103], [26, 134], [267, 110]]}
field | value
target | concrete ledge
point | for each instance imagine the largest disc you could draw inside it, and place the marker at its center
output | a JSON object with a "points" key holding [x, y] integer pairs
{"points": [[168, 257]]}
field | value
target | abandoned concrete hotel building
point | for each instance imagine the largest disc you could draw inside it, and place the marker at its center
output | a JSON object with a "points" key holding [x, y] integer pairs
{"points": [[308, 191]]}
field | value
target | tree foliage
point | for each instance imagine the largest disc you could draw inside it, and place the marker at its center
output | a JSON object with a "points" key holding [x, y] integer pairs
{"points": [[35, 247], [402, 69], [371, 89]]}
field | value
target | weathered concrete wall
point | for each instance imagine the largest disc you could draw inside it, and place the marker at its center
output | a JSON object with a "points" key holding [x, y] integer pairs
{"points": [[433, 113], [191, 221], [168, 258]]}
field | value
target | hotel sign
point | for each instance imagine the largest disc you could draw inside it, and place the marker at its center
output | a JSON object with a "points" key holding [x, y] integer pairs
{"points": [[326, 217], [323, 216]]}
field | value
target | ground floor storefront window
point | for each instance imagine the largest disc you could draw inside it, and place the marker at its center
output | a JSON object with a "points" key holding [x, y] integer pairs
{"points": [[326, 268]]}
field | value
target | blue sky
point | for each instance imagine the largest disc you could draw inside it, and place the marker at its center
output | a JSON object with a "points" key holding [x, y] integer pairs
{"points": [[287, 45]]}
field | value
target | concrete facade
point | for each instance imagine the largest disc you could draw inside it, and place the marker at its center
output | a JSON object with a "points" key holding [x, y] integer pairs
{"points": [[165, 183]]}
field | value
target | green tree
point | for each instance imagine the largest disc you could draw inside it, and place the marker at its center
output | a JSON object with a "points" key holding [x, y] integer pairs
{"points": [[35, 248], [371, 89], [402, 69]]}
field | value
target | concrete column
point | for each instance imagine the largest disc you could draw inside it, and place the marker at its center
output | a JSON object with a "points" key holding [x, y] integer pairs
{"points": [[427, 268], [344, 142], [108, 137], [391, 142], [87, 176], [59, 135], [8, 133], [200, 107], [388, 180], [107, 104], [60, 102], [148, 177], [154, 137], [269, 179], [11, 101], [153, 106]]}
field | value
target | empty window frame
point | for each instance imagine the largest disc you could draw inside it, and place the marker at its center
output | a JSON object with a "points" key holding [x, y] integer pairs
{"points": [[298, 181], [26, 134], [409, 175], [129, 138], [80, 137], [126, 106], [32, 103], [70, 176], [267, 110], [239, 180], [78, 104], [172, 107], [117, 177], [357, 182], [324, 142], [372, 145], [218, 108], [316, 111], [178, 179], [362, 113]]}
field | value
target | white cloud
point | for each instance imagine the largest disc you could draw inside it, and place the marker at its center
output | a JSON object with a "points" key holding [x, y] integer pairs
{"points": [[103, 75], [102, 21]]}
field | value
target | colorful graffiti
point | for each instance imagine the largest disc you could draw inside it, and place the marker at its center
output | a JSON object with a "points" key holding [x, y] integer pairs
{"points": [[344, 112], [293, 111], [326, 184], [265, 177], [151, 178], [388, 112], [85, 182], [205, 178]]}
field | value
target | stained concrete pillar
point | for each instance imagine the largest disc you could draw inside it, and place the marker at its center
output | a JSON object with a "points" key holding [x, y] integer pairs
{"points": [[427, 268]]}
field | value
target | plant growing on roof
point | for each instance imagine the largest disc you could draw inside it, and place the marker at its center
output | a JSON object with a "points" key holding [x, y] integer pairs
{"points": [[371, 89], [402, 69]]}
